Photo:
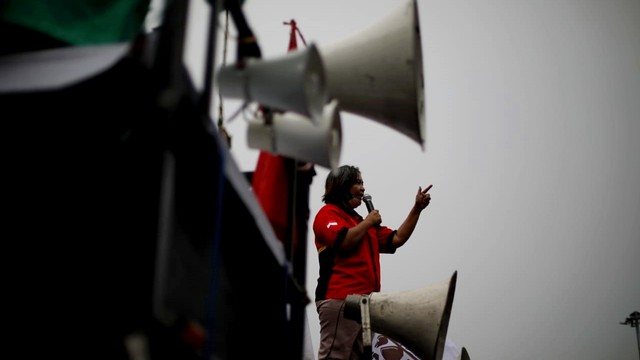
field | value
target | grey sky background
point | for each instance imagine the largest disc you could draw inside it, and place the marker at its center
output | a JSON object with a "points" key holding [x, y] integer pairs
{"points": [[532, 147]]}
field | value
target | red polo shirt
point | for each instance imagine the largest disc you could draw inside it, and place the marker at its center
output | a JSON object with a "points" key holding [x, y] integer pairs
{"points": [[355, 272]]}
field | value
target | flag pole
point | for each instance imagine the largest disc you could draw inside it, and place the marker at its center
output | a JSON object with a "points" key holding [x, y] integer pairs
{"points": [[296, 235]]}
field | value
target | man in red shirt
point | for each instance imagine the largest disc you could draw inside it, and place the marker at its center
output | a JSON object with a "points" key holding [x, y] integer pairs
{"points": [[349, 248]]}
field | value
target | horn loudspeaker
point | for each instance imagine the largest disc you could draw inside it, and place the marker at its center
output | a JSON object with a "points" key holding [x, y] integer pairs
{"points": [[417, 319], [293, 82], [377, 73], [295, 136], [464, 354]]}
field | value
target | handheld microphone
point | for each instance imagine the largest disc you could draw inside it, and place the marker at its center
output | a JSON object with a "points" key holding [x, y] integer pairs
{"points": [[367, 201]]}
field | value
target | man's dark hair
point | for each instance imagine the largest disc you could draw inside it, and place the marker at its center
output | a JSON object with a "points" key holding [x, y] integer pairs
{"points": [[338, 185]]}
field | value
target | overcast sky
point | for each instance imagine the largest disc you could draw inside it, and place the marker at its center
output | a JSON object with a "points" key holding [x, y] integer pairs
{"points": [[533, 149]]}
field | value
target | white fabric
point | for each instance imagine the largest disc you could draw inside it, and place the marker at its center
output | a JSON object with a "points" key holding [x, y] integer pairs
{"points": [[380, 343]]}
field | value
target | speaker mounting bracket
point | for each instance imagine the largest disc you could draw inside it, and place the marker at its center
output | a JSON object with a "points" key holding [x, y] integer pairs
{"points": [[365, 321]]}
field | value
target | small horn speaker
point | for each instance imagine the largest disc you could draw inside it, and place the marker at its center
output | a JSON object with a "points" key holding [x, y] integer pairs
{"points": [[294, 82], [377, 73], [464, 355], [295, 136], [417, 319]]}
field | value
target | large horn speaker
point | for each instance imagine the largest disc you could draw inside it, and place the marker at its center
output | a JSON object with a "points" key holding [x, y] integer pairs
{"points": [[292, 82], [295, 136], [377, 73], [417, 319]]}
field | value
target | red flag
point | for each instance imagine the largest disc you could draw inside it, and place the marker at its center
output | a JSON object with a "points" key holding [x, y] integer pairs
{"points": [[293, 42], [270, 183], [271, 180]]}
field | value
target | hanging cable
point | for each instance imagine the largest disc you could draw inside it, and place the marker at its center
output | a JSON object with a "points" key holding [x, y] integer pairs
{"points": [[221, 127]]}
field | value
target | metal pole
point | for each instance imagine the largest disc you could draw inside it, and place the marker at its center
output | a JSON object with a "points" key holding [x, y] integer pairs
{"points": [[633, 320], [638, 339]]}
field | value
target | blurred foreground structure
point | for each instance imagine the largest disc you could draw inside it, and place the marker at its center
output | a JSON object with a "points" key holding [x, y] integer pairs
{"points": [[136, 235]]}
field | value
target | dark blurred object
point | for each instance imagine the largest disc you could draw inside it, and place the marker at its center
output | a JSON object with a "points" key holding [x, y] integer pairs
{"points": [[120, 203], [16, 38]]}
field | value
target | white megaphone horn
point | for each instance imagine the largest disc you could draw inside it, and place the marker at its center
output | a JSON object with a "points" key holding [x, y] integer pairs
{"points": [[417, 319], [293, 82], [377, 73], [295, 136]]}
